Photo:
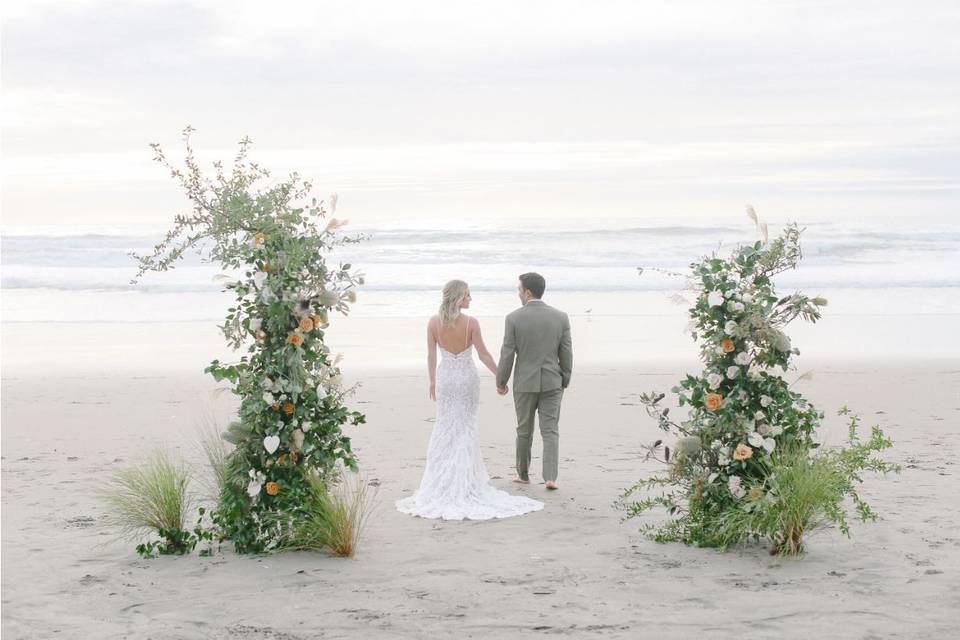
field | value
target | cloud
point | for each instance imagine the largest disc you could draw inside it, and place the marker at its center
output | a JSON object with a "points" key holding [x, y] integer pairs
{"points": [[399, 96]]}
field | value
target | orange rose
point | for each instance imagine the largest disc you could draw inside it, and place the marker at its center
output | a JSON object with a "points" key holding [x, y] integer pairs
{"points": [[295, 339], [713, 401], [275, 406], [306, 324], [742, 452], [273, 488], [282, 458], [288, 408], [727, 345], [260, 238], [261, 336]]}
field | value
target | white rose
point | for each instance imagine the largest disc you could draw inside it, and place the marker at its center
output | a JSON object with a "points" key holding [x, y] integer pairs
{"points": [[742, 358], [714, 380], [733, 372], [255, 324], [735, 486], [268, 398], [256, 482], [747, 297], [765, 401], [715, 298], [742, 396], [259, 278], [730, 328], [758, 415], [763, 429], [758, 441], [738, 307], [723, 459], [776, 430]]}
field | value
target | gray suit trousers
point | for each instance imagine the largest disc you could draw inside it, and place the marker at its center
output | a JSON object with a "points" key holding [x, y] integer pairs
{"points": [[547, 405]]}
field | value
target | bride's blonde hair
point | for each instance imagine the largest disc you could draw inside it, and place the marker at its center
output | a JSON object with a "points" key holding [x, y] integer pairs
{"points": [[453, 294]]}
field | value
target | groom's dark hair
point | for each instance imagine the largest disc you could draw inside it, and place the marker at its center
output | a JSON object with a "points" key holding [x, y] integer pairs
{"points": [[534, 283]]}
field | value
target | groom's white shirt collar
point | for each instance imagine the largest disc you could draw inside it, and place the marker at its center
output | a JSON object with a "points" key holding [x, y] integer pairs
{"points": [[535, 300]]}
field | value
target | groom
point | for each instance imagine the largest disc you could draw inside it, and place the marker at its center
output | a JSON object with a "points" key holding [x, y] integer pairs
{"points": [[538, 336]]}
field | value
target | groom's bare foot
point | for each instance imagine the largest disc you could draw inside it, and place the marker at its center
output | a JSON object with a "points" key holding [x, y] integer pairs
{"points": [[521, 481], [553, 486]]}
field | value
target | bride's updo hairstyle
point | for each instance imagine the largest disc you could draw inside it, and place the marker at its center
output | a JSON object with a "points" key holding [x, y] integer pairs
{"points": [[453, 294]]}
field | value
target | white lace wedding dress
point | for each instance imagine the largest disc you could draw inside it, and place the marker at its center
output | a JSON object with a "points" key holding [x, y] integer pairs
{"points": [[455, 485]]}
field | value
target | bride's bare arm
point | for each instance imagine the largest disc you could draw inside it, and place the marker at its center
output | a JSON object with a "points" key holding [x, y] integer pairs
{"points": [[477, 338], [432, 356]]}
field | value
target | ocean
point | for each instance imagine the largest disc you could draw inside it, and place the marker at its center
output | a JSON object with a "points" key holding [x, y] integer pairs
{"points": [[72, 274]]}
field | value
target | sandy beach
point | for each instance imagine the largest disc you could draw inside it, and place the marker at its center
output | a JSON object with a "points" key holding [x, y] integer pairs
{"points": [[174, 167], [79, 400]]}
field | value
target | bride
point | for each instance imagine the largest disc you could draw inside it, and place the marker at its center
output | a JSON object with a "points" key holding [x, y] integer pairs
{"points": [[455, 482]]}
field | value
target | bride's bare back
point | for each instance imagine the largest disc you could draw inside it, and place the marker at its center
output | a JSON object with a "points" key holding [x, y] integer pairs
{"points": [[454, 338]]}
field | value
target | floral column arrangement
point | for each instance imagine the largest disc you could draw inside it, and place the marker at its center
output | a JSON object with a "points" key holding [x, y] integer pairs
{"points": [[744, 423], [274, 236]]}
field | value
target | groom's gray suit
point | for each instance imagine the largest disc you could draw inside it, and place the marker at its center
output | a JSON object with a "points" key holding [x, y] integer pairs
{"points": [[538, 336]]}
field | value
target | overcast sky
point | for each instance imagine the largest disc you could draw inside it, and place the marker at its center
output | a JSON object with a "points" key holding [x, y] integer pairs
{"points": [[480, 110]]}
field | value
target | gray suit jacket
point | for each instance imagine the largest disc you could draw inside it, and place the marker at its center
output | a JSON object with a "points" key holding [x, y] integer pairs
{"points": [[538, 336]]}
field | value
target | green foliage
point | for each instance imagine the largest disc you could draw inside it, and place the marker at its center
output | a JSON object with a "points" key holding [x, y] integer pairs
{"points": [[746, 431], [807, 492], [150, 497], [178, 541], [333, 517], [274, 238]]}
